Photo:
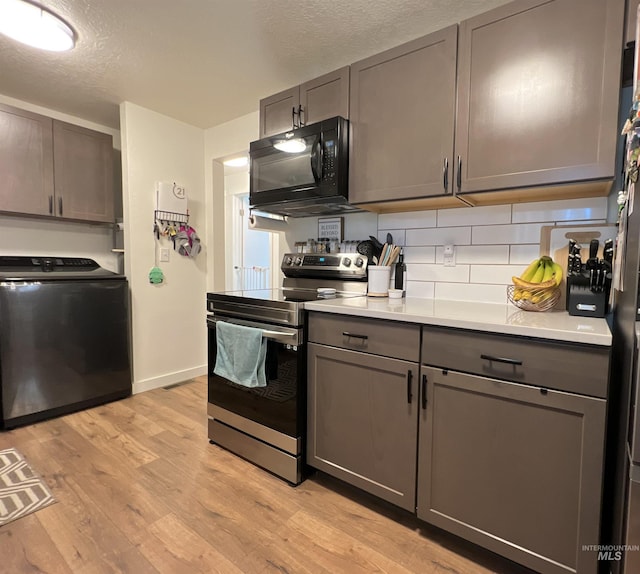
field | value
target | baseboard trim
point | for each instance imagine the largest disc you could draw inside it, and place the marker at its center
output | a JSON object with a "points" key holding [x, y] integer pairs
{"points": [[168, 379]]}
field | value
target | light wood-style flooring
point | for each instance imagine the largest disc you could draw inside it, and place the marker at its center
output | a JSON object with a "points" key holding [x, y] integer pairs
{"points": [[140, 490]]}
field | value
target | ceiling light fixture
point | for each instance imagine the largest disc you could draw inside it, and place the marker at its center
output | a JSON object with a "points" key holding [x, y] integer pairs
{"points": [[237, 161], [290, 146], [36, 26]]}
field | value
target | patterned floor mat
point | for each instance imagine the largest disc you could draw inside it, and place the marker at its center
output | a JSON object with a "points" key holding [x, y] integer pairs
{"points": [[21, 490]]}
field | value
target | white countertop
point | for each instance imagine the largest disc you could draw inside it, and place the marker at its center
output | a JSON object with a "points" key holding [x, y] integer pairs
{"points": [[488, 317]]}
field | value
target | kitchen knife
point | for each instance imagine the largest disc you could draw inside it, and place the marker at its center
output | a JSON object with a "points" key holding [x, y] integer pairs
{"points": [[607, 251], [577, 260], [571, 256], [592, 263], [607, 255]]}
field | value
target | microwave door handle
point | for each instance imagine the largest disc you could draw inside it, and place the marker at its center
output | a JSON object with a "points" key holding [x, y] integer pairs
{"points": [[316, 161]]}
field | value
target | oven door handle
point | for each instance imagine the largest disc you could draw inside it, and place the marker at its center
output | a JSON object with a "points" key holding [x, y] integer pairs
{"points": [[266, 333]]}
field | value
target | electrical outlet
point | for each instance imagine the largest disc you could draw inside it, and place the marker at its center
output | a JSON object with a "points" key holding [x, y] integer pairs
{"points": [[449, 256], [164, 254]]}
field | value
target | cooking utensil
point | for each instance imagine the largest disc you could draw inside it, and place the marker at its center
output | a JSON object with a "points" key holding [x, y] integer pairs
{"points": [[377, 246], [389, 238], [366, 248]]}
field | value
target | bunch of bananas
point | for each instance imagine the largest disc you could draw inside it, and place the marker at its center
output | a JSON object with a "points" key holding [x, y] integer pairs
{"points": [[539, 280]]}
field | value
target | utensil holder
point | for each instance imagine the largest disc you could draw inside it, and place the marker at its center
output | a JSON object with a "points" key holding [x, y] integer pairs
{"points": [[379, 279]]}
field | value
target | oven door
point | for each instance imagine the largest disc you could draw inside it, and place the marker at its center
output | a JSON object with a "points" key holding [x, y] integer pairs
{"points": [[280, 405]]}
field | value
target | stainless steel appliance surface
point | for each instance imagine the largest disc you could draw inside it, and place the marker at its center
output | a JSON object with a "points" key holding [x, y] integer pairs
{"points": [[267, 425], [64, 337], [302, 172]]}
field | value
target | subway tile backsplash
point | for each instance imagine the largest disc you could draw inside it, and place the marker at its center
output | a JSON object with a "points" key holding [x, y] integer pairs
{"points": [[492, 243], [574, 210]]}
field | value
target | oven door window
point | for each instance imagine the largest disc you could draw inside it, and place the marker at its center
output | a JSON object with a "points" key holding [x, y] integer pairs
{"points": [[297, 165], [280, 405]]}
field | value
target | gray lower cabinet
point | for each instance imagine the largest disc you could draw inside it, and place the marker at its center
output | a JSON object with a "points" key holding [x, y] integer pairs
{"points": [[514, 468], [362, 421]]}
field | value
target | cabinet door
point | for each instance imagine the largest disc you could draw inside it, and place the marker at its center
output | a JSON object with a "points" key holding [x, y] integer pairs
{"points": [[26, 162], [83, 173], [362, 425], [402, 109], [277, 112], [538, 85], [513, 468], [325, 97]]}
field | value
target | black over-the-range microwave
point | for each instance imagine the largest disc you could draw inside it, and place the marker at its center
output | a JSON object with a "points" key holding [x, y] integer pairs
{"points": [[302, 172]]}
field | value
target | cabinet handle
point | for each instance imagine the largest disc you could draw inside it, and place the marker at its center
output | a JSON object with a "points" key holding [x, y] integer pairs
{"points": [[424, 392], [354, 336], [459, 180], [445, 174], [409, 385], [293, 117], [501, 360], [301, 122], [60, 205], [51, 204]]}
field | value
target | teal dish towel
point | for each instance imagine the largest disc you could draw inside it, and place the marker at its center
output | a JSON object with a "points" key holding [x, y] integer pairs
{"points": [[241, 352]]}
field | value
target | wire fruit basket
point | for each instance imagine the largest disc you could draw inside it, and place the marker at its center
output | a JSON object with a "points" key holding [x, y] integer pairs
{"points": [[533, 298]]}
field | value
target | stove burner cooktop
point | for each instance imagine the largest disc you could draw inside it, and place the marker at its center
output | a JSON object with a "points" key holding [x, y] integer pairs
{"points": [[285, 306]]}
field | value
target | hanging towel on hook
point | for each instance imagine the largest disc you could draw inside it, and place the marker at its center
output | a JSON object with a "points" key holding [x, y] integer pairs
{"points": [[240, 354]]}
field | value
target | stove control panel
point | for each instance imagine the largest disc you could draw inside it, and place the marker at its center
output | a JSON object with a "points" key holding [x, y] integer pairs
{"points": [[352, 266]]}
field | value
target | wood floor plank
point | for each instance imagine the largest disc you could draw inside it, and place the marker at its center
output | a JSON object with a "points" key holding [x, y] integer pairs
{"points": [[27, 548], [109, 438], [173, 547], [336, 550], [140, 490]]}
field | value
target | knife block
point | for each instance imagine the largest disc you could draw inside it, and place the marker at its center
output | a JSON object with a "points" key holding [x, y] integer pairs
{"points": [[582, 301]]}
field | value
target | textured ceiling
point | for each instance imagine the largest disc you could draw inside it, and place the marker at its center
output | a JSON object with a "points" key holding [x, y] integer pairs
{"points": [[208, 61]]}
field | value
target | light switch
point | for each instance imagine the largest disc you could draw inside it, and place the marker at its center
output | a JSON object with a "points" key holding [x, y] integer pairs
{"points": [[449, 256], [164, 254]]}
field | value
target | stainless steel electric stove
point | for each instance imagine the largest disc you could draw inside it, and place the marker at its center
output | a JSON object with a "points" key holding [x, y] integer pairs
{"points": [[267, 425]]}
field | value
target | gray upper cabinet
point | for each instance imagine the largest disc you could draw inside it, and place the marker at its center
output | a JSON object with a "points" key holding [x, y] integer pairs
{"points": [[325, 97], [631, 21], [278, 113], [314, 101], [514, 468], [54, 168], [402, 114], [538, 85], [83, 173], [26, 162]]}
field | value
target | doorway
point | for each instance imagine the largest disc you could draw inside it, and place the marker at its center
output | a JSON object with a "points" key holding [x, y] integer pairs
{"points": [[250, 254]]}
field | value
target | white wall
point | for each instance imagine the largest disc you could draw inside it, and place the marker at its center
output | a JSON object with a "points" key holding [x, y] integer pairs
{"points": [[492, 244], [168, 327], [221, 142], [37, 236]]}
